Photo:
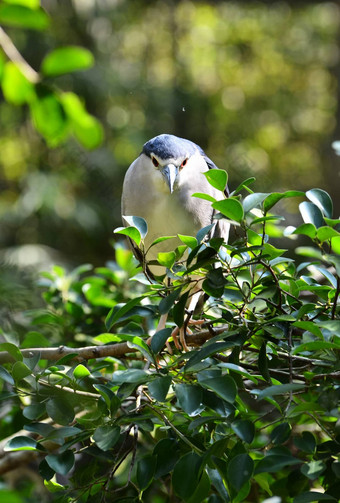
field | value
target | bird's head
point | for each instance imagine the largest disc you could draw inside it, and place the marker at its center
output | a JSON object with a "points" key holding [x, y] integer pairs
{"points": [[174, 159]]}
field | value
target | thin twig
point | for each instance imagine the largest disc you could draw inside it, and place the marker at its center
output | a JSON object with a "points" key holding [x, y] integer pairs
{"points": [[14, 55]]}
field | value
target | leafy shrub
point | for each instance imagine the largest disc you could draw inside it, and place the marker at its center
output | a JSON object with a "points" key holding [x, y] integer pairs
{"points": [[248, 413]]}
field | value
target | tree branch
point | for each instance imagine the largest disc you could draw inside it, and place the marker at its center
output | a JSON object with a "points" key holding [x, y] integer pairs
{"points": [[14, 55]]}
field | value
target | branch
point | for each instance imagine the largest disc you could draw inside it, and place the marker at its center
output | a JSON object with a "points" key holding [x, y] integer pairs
{"points": [[14, 55], [87, 353]]}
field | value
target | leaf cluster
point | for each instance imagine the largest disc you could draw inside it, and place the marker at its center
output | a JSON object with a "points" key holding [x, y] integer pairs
{"points": [[249, 412]]}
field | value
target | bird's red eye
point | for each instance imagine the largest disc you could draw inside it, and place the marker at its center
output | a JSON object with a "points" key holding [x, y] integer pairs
{"points": [[183, 163], [155, 162]]}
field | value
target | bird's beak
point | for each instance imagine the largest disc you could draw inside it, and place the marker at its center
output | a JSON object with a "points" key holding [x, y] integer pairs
{"points": [[170, 172]]}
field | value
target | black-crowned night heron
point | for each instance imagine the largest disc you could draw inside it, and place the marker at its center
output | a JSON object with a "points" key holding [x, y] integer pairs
{"points": [[159, 185]]}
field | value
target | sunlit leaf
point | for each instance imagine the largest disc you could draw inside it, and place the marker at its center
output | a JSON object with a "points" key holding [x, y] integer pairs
{"points": [[15, 86], [322, 200], [231, 208], [65, 60], [24, 17], [218, 178]]}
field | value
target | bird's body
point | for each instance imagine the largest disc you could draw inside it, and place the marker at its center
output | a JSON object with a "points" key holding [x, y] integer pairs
{"points": [[159, 185]]}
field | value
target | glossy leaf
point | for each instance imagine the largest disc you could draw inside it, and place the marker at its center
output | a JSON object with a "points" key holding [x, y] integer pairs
{"points": [[130, 232], [231, 208], [167, 259], [280, 433], [106, 436], [186, 475], [306, 229], [189, 241], [322, 200], [21, 443], [139, 223], [253, 200], [60, 410], [244, 429], [159, 339], [81, 371], [61, 463], [146, 467], [311, 214], [189, 398], [223, 386], [240, 470], [313, 469], [159, 387], [20, 371], [275, 197], [65, 60], [218, 178]]}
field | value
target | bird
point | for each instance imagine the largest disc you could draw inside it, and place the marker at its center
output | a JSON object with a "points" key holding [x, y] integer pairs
{"points": [[159, 185]]}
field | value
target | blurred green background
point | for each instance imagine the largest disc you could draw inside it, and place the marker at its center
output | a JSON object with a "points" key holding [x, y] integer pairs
{"points": [[254, 83]]}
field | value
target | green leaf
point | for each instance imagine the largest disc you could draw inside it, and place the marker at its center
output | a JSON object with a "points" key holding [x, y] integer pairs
{"points": [[81, 371], [202, 490], [214, 283], [310, 496], [324, 233], [275, 197], [179, 309], [189, 398], [244, 428], [243, 185], [306, 442], [167, 259], [206, 197], [231, 208], [322, 200], [253, 200], [21, 443], [12, 350], [46, 104], [65, 60], [190, 241], [106, 436], [207, 350], [185, 477], [146, 468], [130, 232], [313, 469], [272, 463], [20, 371], [307, 230], [159, 339], [223, 386], [34, 411], [218, 178], [86, 128], [23, 17], [167, 302], [240, 469], [167, 453], [159, 388], [61, 463], [279, 389], [138, 222], [311, 214], [6, 376], [280, 433], [15, 86], [315, 346], [120, 310], [60, 410]]}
